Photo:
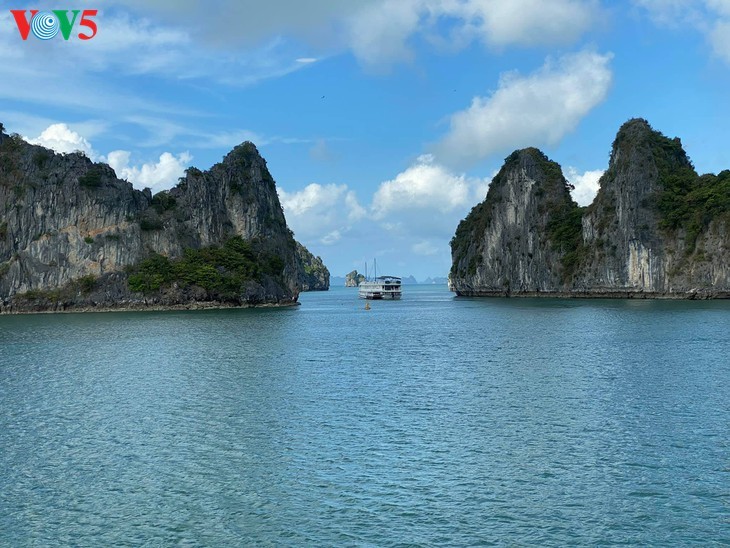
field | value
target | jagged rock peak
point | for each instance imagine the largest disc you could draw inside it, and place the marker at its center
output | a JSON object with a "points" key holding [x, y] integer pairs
{"points": [[636, 137], [313, 274], [655, 229], [529, 212], [530, 159], [219, 236], [245, 151]]}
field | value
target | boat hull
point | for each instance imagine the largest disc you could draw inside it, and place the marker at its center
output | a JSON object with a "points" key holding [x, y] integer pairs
{"points": [[380, 297], [385, 288]]}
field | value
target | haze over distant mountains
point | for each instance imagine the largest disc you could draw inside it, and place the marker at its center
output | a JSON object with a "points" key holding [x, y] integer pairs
{"points": [[336, 281]]}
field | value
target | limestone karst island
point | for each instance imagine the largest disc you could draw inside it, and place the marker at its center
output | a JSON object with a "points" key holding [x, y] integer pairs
{"points": [[75, 237], [656, 228]]}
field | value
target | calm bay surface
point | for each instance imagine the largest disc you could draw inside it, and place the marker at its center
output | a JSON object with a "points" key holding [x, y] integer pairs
{"points": [[431, 421]]}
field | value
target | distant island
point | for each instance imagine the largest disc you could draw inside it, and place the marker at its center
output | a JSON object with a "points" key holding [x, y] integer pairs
{"points": [[656, 229], [354, 278], [75, 237]]}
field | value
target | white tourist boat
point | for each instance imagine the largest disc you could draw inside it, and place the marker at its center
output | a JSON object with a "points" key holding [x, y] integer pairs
{"points": [[382, 287]]}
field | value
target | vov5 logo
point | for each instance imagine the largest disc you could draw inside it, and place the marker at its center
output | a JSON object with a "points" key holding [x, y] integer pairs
{"points": [[46, 24]]}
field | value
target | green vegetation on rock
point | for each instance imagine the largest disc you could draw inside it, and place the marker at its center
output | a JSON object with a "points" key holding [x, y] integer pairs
{"points": [[162, 201], [687, 201], [563, 230], [656, 227], [92, 178], [151, 223], [44, 193], [222, 270], [83, 285]]}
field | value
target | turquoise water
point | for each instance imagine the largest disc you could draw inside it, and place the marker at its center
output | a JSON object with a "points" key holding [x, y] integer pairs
{"points": [[432, 421]]}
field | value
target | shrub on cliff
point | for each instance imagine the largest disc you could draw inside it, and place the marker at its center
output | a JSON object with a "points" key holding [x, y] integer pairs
{"points": [[222, 271]]}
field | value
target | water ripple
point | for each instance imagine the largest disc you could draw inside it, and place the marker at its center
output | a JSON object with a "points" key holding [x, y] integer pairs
{"points": [[433, 421]]}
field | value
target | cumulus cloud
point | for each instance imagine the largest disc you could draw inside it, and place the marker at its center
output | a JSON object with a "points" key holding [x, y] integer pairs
{"points": [[586, 184], [422, 205], [281, 36], [424, 185], [380, 33], [240, 44], [534, 110], [530, 22], [411, 215], [61, 138], [317, 209], [159, 175]]}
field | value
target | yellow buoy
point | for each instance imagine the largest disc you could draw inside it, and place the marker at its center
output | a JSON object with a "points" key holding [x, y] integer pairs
{"points": [[367, 305]]}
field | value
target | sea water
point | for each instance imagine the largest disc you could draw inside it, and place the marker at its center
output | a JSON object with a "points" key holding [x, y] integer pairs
{"points": [[432, 421]]}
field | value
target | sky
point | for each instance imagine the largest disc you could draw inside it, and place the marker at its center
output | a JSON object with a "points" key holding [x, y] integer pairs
{"points": [[382, 121]]}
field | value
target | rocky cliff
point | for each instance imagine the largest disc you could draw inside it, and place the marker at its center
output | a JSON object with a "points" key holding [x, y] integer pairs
{"points": [[74, 236], [655, 229], [353, 279], [313, 275]]}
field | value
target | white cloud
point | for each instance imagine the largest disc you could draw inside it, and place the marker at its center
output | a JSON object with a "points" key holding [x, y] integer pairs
{"points": [[331, 237], [106, 72], [159, 175], [377, 31], [586, 184], [421, 206], [379, 34], [136, 45], [241, 45], [355, 211], [412, 215], [530, 22], [61, 138], [245, 23], [719, 38], [535, 110], [424, 185], [317, 209]]}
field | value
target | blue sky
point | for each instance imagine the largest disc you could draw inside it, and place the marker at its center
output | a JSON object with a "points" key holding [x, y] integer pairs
{"points": [[382, 121]]}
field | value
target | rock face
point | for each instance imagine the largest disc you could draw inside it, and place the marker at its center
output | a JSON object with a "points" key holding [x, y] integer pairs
{"points": [[313, 275], [73, 236], [353, 279], [655, 229]]}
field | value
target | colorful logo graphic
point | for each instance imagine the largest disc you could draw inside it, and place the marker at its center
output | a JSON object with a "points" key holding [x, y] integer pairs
{"points": [[46, 24]]}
